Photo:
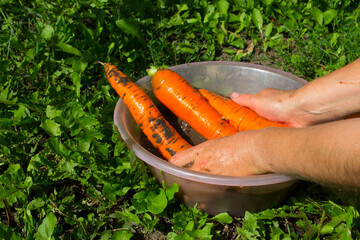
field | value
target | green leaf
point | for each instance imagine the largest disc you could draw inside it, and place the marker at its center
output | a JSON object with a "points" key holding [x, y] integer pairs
{"points": [[11, 185], [109, 192], [103, 150], [88, 123], [229, 51], [267, 2], [127, 215], [209, 14], [240, 4], [76, 78], [69, 49], [51, 127], [171, 190], [31, 53], [330, 227], [75, 110], [57, 146], [251, 223], [223, 7], [119, 147], [245, 20], [110, 48], [238, 43], [46, 228], [223, 218], [268, 29], [129, 27], [52, 112], [220, 37], [122, 235], [36, 203], [69, 166], [257, 19], [106, 235], [47, 32], [84, 145], [79, 65], [8, 233], [187, 49], [250, 4], [329, 15], [334, 39], [318, 15], [28, 182], [182, 7], [290, 24], [156, 203], [20, 113], [139, 200]]}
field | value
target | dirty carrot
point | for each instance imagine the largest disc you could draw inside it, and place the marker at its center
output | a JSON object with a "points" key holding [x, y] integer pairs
{"points": [[241, 118], [159, 132], [186, 103]]}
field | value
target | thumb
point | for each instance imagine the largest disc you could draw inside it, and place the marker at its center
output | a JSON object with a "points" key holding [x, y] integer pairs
{"points": [[242, 99]]}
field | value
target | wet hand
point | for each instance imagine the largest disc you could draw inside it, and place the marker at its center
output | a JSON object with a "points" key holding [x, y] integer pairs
{"points": [[273, 104], [233, 156]]}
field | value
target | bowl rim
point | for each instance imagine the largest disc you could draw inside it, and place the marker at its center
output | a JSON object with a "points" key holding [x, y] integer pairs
{"points": [[214, 179]]}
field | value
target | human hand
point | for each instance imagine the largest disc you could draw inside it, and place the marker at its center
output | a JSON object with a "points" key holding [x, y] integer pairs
{"points": [[235, 155], [275, 105]]}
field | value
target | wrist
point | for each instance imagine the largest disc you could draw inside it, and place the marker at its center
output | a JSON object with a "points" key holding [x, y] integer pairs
{"points": [[275, 146], [290, 108], [303, 107], [328, 98], [261, 150]]}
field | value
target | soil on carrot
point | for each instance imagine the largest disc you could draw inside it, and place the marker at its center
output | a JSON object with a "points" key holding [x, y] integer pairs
{"points": [[185, 131]]}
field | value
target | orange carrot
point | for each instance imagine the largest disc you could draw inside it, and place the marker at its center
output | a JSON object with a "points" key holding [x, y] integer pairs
{"points": [[160, 133], [186, 102], [241, 118]]}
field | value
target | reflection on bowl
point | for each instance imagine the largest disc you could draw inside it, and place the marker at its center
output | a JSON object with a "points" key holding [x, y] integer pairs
{"points": [[212, 193]]}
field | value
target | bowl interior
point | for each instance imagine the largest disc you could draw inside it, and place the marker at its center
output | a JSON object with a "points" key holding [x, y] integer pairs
{"points": [[222, 78]]}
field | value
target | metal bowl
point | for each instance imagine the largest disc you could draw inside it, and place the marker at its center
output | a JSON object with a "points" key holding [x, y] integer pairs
{"points": [[214, 193]]}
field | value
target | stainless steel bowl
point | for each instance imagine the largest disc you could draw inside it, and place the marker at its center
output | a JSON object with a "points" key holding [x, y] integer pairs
{"points": [[215, 193]]}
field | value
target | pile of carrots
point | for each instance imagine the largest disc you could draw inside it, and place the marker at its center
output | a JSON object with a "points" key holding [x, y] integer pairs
{"points": [[209, 114]]}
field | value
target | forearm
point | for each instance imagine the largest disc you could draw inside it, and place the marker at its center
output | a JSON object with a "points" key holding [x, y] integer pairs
{"points": [[331, 97], [327, 153]]}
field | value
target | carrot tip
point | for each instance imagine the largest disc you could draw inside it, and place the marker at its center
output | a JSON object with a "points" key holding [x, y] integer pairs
{"points": [[100, 63]]}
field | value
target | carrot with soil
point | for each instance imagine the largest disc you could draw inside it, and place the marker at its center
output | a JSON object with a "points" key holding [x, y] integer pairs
{"points": [[186, 102], [159, 132], [241, 118]]}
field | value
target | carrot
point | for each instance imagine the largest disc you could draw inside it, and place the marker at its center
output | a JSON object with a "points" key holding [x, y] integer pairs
{"points": [[159, 132], [241, 118], [186, 102]]}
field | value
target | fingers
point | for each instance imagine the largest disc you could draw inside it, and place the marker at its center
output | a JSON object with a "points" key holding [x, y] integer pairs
{"points": [[185, 158], [232, 156], [252, 100], [198, 158], [268, 103]]}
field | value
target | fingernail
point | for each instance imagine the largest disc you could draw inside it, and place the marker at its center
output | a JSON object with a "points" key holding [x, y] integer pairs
{"points": [[188, 165], [235, 95]]}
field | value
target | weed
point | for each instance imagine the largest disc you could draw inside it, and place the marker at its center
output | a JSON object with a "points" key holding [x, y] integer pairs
{"points": [[65, 173]]}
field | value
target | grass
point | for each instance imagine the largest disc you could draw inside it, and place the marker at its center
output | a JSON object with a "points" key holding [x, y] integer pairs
{"points": [[64, 171]]}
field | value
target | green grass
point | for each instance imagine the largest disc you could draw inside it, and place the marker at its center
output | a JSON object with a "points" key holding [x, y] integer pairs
{"points": [[66, 173]]}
